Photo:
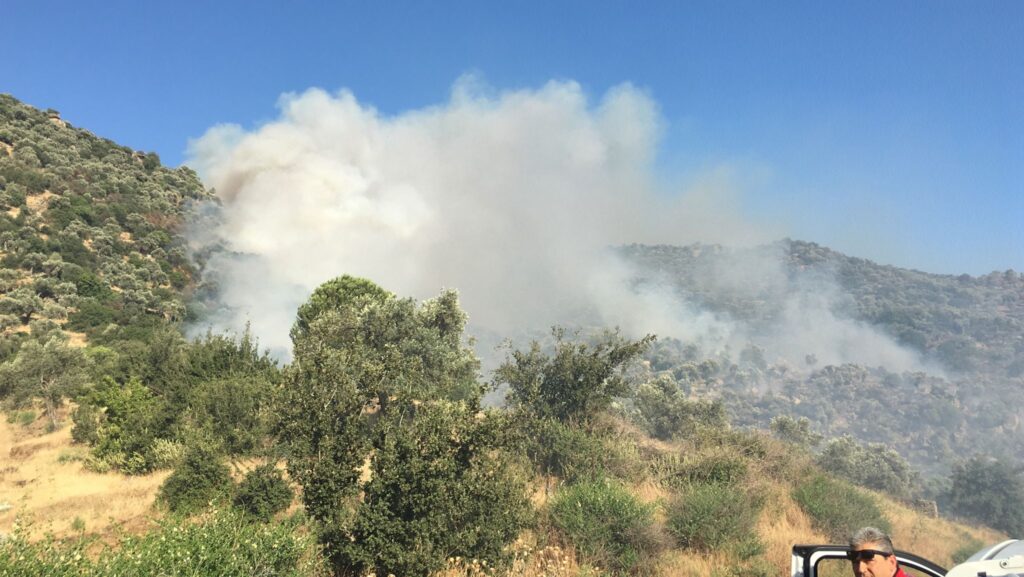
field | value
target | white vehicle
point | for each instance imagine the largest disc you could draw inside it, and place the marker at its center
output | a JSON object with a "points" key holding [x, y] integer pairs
{"points": [[1005, 559]]}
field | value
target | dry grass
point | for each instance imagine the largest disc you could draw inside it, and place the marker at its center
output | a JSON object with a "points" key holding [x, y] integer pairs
{"points": [[54, 494], [37, 202]]}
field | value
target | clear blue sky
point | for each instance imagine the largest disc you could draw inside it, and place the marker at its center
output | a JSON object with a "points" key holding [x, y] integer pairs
{"points": [[888, 130]]}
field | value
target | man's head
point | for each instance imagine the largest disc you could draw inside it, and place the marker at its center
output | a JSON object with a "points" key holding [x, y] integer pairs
{"points": [[872, 554]]}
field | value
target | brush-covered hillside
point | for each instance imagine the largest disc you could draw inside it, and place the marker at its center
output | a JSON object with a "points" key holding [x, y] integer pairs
{"points": [[128, 449], [963, 397], [90, 233]]}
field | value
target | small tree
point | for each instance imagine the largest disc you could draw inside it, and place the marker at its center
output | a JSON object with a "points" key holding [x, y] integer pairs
{"points": [[48, 371], [574, 383]]}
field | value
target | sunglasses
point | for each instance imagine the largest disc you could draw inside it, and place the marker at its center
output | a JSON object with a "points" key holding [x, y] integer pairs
{"points": [[865, 555]]}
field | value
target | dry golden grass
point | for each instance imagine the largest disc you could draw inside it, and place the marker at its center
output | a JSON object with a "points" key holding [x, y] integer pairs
{"points": [[52, 495]]}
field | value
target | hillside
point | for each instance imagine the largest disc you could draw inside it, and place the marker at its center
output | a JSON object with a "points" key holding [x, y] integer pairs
{"points": [[971, 330], [46, 481], [89, 233]]}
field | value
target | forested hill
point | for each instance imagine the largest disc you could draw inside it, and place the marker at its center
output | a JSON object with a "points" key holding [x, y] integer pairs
{"points": [[971, 325], [89, 232], [972, 328]]}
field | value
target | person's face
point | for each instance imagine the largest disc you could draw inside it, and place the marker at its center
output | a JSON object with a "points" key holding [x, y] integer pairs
{"points": [[877, 565]]}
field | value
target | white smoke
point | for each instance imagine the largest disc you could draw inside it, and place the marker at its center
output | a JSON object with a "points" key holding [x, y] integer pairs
{"points": [[513, 198]]}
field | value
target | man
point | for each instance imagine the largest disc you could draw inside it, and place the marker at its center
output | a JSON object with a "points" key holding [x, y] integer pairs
{"points": [[872, 554]]}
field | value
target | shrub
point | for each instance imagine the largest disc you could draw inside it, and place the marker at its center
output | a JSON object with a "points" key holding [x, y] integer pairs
{"points": [[609, 526], [441, 488], [263, 493], [220, 543], [988, 491], [562, 450], [709, 517], [200, 479], [875, 466], [836, 508]]}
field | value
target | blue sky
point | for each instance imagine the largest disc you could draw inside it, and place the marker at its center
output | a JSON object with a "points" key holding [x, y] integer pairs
{"points": [[888, 130]]}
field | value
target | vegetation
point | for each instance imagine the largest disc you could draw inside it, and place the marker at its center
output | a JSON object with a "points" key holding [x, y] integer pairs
{"points": [[618, 454], [611, 528], [837, 508]]}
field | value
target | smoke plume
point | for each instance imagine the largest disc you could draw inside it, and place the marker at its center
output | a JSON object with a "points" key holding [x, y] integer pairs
{"points": [[514, 198]]}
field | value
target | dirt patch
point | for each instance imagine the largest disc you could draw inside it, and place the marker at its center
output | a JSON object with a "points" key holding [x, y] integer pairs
{"points": [[76, 340], [38, 202], [26, 450]]}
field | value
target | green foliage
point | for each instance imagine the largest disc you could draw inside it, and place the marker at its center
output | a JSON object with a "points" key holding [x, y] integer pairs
{"points": [[234, 410], [122, 424], [874, 466], [342, 293], [575, 383], [795, 431], [965, 551], [51, 371], [263, 493], [715, 516], [439, 488], [220, 543], [610, 528], [200, 479], [563, 450], [836, 508], [988, 491], [666, 412], [716, 467], [383, 380]]}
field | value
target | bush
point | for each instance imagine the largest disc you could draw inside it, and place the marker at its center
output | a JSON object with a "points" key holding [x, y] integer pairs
{"points": [[441, 487], [709, 517], [609, 526], [837, 508], [562, 450], [221, 543], [990, 492], [200, 479], [263, 493], [875, 466]]}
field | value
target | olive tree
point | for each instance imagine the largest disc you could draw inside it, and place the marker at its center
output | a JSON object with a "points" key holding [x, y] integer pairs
{"points": [[378, 421]]}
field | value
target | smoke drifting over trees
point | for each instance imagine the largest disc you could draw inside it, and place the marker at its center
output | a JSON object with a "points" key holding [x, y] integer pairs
{"points": [[514, 198]]}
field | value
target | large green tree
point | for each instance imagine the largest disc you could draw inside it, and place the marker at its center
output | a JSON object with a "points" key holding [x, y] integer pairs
{"points": [[380, 423]]}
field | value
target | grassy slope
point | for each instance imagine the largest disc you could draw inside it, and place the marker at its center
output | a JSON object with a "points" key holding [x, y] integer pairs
{"points": [[54, 494]]}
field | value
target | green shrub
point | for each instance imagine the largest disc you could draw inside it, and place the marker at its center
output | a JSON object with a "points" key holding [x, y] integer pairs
{"points": [[222, 543], [200, 479], [563, 450], [709, 517], [608, 525], [837, 508], [988, 491], [716, 468], [441, 487], [875, 466], [263, 493]]}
